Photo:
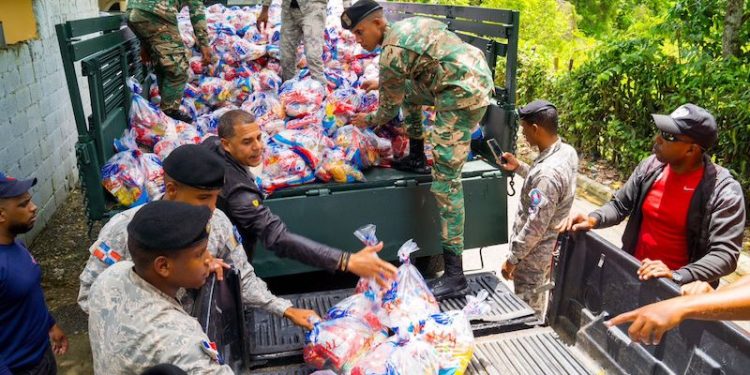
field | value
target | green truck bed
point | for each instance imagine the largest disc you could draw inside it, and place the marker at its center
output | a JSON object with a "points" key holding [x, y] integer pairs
{"points": [[399, 204]]}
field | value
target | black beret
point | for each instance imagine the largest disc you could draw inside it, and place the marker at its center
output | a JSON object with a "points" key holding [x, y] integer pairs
{"points": [[534, 107], [169, 226], [196, 166], [357, 12]]}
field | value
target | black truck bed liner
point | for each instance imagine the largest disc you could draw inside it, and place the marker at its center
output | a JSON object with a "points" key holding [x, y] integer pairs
{"points": [[536, 351], [272, 337]]}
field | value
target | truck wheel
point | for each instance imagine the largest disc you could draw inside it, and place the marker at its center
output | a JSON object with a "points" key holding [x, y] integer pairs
{"points": [[430, 266]]}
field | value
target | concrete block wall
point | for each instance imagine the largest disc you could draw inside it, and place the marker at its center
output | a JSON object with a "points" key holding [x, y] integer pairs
{"points": [[37, 128]]}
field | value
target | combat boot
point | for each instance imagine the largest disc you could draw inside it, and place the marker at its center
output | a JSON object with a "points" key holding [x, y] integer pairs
{"points": [[453, 282], [179, 116], [415, 162]]}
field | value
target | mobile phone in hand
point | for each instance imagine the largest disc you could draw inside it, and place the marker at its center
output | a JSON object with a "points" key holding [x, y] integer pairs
{"points": [[496, 151]]}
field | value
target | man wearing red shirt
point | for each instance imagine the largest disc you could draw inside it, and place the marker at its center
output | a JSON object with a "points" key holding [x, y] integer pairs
{"points": [[686, 214]]}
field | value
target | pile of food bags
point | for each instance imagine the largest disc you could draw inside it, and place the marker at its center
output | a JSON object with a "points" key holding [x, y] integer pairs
{"points": [[394, 330], [245, 73]]}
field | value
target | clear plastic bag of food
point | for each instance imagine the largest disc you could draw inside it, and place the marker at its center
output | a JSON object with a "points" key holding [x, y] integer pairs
{"points": [[123, 177], [265, 106], [311, 120], [344, 103], [268, 80], [361, 150], [186, 135], [154, 174], [283, 168], [127, 141], [337, 344], [451, 335], [360, 305], [310, 144], [301, 97], [409, 299], [399, 356], [245, 51], [150, 123]]}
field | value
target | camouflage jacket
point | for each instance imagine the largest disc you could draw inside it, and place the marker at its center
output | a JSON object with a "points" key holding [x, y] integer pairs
{"points": [[167, 10], [112, 246], [133, 326], [437, 61], [546, 198]]}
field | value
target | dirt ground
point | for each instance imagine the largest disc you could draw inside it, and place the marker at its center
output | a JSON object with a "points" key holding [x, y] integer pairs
{"points": [[62, 250]]}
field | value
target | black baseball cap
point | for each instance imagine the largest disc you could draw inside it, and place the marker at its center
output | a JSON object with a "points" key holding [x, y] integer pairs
{"points": [[11, 187], [353, 15], [692, 121], [534, 107]]}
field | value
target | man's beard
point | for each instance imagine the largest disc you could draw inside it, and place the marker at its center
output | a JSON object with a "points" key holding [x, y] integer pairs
{"points": [[17, 229]]}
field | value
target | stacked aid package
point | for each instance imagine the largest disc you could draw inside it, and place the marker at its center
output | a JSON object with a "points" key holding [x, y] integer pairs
{"points": [[394, 330], [245, 73]]}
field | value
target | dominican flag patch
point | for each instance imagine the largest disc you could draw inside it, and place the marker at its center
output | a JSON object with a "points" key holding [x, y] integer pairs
{"points": [[209, 347], [106, 254]]}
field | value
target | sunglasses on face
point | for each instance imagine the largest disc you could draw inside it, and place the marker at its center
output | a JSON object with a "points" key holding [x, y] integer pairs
{"points": [[669, 137]]}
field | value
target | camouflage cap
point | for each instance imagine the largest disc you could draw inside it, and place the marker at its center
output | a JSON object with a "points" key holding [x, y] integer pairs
{"points": [[353, 15]]}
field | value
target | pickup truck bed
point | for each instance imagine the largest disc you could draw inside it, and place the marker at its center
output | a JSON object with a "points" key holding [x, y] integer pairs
{"points": [[594, 280]]}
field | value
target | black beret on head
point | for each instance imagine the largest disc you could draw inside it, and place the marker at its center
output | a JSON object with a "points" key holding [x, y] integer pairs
{"points": [[169, 226], [534, 107], [357, 12], [196, 166]]}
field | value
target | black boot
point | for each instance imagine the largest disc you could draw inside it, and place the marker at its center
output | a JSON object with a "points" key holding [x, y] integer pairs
{"points": [[415, 162], [179, 116], [453, 282]]}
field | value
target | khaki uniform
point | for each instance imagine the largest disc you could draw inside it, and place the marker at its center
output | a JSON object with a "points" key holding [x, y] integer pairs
{"points": [[546, 198]]}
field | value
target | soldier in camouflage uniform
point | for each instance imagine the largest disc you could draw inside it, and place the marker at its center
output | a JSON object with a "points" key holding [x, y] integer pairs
{"points": [[546, 198], [301, 19], [155, 24], [135, 320], [191, 170], [423, 63]]}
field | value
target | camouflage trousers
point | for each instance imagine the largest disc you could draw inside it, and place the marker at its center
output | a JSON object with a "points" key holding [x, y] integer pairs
{"points": [[532, 272], [305, 23], [450, 138], [168, 54]]}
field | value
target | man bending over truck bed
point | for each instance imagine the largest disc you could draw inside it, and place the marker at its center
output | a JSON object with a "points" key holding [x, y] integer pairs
{"points": [[240, 145]]}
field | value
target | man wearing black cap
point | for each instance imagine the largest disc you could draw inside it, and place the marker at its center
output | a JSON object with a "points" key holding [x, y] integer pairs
{"points": [[240, 144], [686, 214], [546, 198], [423, 63], [26, 326], [135, 319], [193, 175]]}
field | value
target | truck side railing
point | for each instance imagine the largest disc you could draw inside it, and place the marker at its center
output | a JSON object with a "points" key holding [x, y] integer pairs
{"points": [[108, 52]]}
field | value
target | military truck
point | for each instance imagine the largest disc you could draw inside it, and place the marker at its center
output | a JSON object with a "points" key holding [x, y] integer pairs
{"points": [[593, 279]]}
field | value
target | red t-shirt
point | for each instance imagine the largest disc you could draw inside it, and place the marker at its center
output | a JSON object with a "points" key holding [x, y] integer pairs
{"points": [[663, 233]]}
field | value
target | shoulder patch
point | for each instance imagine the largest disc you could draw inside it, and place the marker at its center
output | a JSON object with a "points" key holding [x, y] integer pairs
{"points": [[237, 235], [256, 203], [209, 347], [537, 199], [105, 253]]}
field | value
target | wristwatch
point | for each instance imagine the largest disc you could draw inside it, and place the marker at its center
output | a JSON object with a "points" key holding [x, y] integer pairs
{"points": [[512, 259], [676, 277]]}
